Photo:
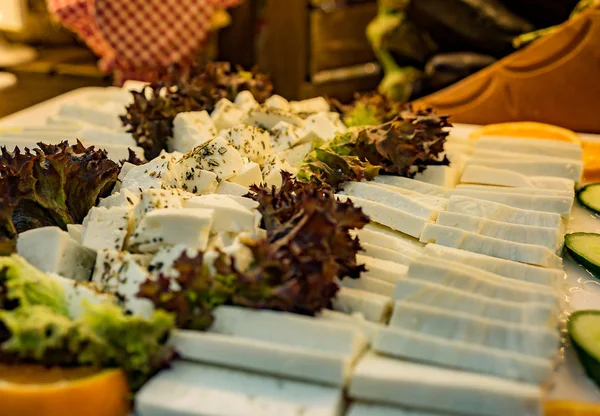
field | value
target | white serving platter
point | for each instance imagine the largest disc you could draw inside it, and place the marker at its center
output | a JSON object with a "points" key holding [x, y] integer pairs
{"points": [[581, 290]]}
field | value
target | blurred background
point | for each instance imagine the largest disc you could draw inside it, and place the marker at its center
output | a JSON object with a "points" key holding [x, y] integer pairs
{"points": [[310, 47]]}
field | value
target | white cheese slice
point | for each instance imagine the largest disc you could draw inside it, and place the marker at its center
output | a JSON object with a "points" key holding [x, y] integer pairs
{"points": [[124, 198], [509, 154], [373, 307], [355, 320], [369, 284], [105, 116], [566, 168], [250, 175], [386, 380], [230, 188], [502, 267], [418, 291], [457, 145], [473, 280], [277, 343], [226, 114], [390, 217], [251, 141], [245, 101], [295, 156], [444, 176], [536, 147], [52, 250], [268, 118], [157, 174], [317, 127], [534, 341], [526, 234], [311, 105], [278, 102], [412, 185], [189, 389], [77, 293], [215, 156], [513, 190], [283, 137], [229, 215], [403, 257], [501, 212], [168, 227], [424, 348], [106, 228], [485, 175], [384, 270], [75, 231], [405, 239], [377, 238], [389, 198], [495, 247], [98, 135], [369, 409], [554, 204]]}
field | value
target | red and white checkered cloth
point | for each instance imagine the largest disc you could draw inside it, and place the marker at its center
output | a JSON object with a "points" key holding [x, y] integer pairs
{"points": [[137, 39]]}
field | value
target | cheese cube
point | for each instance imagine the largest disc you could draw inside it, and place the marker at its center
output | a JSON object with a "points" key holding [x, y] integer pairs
{"points": [[191, 129], [245, 101], [278, 102], [271, 171], [229, 216], [163, 262], [158, 174], [226, 114], [78, 293], [215, 156], [295, 156], [168, 227], [97, 135], [251, 175], [230, 188], [283, 136], [152, 199], [125, 198], [268, 118], [124, 171], [252, 142], [52, 250], [310, 106], [317, 127], [75, 231], [106, 228], [194, 180]]}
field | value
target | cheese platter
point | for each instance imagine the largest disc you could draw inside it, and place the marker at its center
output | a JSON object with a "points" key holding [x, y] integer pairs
{"points": [[462, 306]]}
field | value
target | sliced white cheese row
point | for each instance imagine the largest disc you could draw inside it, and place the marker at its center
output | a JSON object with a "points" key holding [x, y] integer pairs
{"points": [[485, 175], [412, 185], [396, 382], [531, 146], [370, 409], [566, 168], [276, 343], [514, 190], [189, 389], [495, 247]]}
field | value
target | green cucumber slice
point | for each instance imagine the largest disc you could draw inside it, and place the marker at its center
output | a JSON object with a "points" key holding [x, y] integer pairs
{"points": [[589, 197], [585, 250], [584, 329]]}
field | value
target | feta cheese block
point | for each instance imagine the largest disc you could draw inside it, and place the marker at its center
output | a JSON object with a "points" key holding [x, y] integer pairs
{"points": [[245, 101], [311, 105], [124, 171], [283, 137], [268, 118], [194, 180], [230, 188], [495, 247], [458, 326], [295, 156], [77, 293], [226, 114], [386, 380], [554, 204], [152, 199], [464, 277], [502, 267], [74, 231], [503, 213], [513, 190], [105, 228], [424, 348], [444, 176], [276, 343], [52, 250], [535, 166], [250, 175], [390, 217], [502, 177], [190, 389], [384, 270], [168, 227], [372, 306], [369, 284], [163, 262], [392, 199], [124, 198], [215, 156], [278, 102], [317, 127], [251, 141], [355, 320], [536, 147], [157, 173], [403, 257], [526, 234], [271, 171], [426, 293], [229, 215], [412, 185]]}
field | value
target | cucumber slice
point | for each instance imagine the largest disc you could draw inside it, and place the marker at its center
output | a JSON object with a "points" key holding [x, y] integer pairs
{"points": [[584, 329], [585, 250], [589, 197]]}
